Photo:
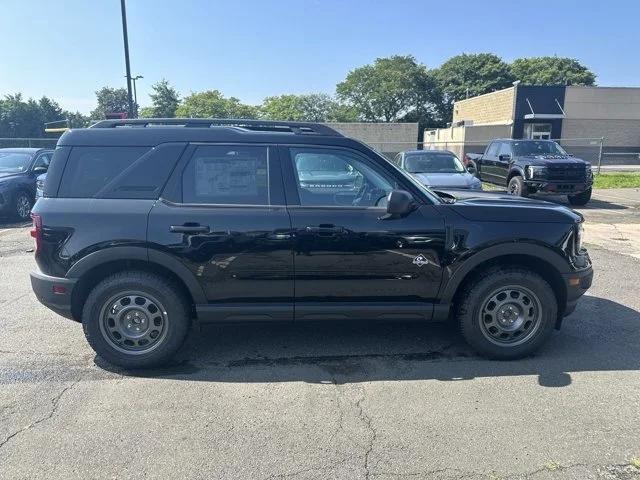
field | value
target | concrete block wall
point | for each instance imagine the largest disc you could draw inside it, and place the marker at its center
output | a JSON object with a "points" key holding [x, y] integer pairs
{"points": [[388, 138], [494, 107]]}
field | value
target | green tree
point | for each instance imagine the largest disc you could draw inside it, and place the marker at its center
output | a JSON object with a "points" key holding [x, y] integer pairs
{"points": [[314, 107], [164, 101], [211, 103], [551, 71], [468, 75], [110, 100], [388, 90]]}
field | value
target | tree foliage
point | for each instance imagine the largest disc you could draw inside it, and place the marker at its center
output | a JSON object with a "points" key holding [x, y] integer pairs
{"points": [[468, 75], [211, 103], [164, 101], [26, 118], [551, 71], [389, 89], [110, 100], [314, 107]]}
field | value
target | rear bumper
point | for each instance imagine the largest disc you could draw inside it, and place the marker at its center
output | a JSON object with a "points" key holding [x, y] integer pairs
{"points": [[576, 284], [57, 299]]}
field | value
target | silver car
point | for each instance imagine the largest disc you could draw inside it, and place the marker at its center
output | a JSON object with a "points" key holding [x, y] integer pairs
{"points": [[437, 169]]}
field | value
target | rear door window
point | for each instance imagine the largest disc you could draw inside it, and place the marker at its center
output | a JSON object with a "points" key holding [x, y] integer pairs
{"points": [[227, 175]]}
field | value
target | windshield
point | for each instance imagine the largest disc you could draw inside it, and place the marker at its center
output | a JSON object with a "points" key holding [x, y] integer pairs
{"points": [[543, 148], [433, 162], [14, 162]]}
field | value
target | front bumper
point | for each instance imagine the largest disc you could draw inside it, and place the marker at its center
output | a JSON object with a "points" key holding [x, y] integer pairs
{"points": [[571, 188], [53, 292], [576, 284]]}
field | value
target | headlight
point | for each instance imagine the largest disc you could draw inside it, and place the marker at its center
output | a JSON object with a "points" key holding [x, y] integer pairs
{"points": [[579, 235], [589, 171], [536, 172]]}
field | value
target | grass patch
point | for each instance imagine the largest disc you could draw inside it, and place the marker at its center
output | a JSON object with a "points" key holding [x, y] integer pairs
{"points": [[635, 462], [617, 180]]}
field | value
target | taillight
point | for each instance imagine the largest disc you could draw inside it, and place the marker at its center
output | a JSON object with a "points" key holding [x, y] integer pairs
{"points": [[36, 231]]}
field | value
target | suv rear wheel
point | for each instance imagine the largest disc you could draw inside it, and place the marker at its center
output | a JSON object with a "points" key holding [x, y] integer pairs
{"points": [[507, 313], [135, 319]]}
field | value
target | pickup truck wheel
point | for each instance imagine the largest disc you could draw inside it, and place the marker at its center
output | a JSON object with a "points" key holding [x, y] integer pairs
{"points": [[507, 313], [581, 198], [135, 319], [517, 187]]}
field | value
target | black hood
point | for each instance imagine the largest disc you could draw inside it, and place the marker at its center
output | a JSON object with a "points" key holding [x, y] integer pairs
{"points": [[544, 160], [500, 207]]}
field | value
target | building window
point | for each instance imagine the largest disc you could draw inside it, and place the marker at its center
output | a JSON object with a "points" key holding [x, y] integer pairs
{"points": [[537, 131]]}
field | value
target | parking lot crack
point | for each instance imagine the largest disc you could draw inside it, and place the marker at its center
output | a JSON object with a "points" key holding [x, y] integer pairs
{"points": [[55, 403], [373, 435]]}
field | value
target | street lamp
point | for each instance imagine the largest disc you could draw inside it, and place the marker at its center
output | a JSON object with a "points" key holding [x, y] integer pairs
{"points": [[125, 37], [135, 93]]}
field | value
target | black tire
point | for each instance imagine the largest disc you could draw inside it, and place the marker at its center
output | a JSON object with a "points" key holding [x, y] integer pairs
{"points": [[22, 205], [580, 199], [480, 292], [164, 311], [517, 187]]}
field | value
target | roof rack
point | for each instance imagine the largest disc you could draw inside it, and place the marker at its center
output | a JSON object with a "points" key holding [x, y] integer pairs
{"points": [[298, 128]]}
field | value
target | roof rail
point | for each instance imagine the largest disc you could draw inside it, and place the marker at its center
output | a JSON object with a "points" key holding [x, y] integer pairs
{"points": [[298, 128]]}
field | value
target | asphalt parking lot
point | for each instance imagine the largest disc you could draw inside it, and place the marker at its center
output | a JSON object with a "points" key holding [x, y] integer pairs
{"points": [[333, 401]]}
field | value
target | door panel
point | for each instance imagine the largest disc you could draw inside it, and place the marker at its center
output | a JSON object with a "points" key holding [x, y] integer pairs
{"points": [[351, 255], [216, 224], [238, 254], [349, 261]]}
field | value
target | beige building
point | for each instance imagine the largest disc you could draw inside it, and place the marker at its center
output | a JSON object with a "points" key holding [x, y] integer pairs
{"points": [[581, 116]]}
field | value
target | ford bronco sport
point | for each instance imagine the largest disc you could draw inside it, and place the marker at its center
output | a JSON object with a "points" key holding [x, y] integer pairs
{"points": [[148, 225]]}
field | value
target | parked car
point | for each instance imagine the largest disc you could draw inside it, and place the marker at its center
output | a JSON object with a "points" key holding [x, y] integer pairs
{"points": [[143, 230], [19, 168], [437, 169], [526, 167], [40, 185]]}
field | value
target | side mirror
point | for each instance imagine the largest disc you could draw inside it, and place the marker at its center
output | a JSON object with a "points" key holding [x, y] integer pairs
{"points": [[505, 157], [399, 204], [471, 169], [39, 170]]}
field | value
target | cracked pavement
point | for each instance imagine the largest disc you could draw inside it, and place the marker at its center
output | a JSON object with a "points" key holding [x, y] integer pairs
{"points": [[337, 401]]}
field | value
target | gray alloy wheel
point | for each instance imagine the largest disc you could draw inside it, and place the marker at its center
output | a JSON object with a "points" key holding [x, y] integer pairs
{"points": [[23, 205], [133, 322], [510, 315]]}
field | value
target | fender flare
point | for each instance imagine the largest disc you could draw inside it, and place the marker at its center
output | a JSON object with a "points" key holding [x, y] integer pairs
{"points": [[545, 254], [153, 257], [514, 171]]}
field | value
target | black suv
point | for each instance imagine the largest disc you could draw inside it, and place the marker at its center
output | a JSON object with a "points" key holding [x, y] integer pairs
{"points": [[19, 168], [146, 225]]}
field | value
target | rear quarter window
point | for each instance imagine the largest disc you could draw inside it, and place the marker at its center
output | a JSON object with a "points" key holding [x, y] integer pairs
{"points": [[118, 172]]}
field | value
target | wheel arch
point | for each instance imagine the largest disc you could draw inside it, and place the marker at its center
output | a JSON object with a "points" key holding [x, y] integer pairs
{"points": [[548, 264], [97, 266], [515, 171]]}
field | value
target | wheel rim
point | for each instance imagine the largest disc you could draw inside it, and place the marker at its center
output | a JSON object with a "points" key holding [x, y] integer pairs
{"points": [[23, 206], [133, 322], [514, 189], [510, 315]]}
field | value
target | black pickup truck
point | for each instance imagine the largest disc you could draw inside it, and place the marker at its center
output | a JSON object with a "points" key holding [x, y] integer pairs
{"points": [[526, 167]]}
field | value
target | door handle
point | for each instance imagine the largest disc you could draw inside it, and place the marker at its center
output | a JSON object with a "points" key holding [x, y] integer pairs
{"points": [[325, 229], [189, 228]]}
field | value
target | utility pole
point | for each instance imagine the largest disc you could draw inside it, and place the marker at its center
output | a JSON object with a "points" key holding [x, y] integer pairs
{"points": [[123, 9]]}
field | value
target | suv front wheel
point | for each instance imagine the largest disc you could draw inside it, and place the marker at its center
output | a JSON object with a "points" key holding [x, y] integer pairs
{"points": [[135, 319], [580, 198], [517, 187], [507, 313]]}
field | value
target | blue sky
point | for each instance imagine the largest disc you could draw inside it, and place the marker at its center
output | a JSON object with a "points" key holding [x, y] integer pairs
{"points": [[250, 49]]}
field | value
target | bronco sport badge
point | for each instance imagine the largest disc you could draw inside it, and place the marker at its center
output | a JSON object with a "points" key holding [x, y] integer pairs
{"points": [[420, 260]]}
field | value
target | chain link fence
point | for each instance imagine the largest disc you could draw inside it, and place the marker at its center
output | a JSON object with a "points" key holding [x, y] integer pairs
{"points": [[28, 142]]}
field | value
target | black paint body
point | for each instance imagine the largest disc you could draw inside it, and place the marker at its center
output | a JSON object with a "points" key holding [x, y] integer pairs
{"points": [[285, 261]]}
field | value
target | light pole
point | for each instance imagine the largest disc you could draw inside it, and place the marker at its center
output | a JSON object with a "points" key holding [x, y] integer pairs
{"points": [[135, 92], [123, 10]]}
